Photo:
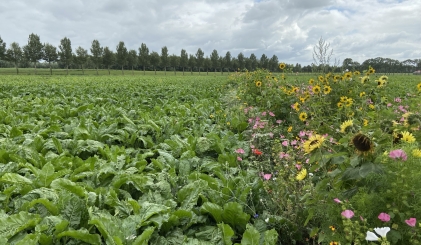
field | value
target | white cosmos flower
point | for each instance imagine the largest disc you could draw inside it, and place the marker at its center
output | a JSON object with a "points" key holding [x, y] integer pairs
{"points": [[371, 236]]}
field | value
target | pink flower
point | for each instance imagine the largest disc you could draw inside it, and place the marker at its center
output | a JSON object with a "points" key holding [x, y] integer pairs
{"points": [[239, 159], [282, 136], [348, 214], [240, 151], [398, 100], [384, 217], [302, 134], [271, 114], [411, 222], [398, 154], [285, 143], [267, 176], [283, 155], [264, 113], [294, 142], [298, 166], [271, 134], [389, 104], [278, 121], [337, 200]]}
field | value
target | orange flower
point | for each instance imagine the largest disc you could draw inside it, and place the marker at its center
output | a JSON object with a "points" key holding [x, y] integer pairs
{"points": [[257, 152]]}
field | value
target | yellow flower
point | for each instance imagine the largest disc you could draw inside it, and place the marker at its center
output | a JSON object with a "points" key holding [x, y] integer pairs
{"points": [[303, 116], [371, 70], [327, 89], [416, 153], [314, 142], [372, 106], [343, 99], [311, 81], [339, 104], [301, 175], [365, 79], [289, 129], [211, 116], [357, 73], [282, 66], [258, 83], [348, 75], [348, 102], [362, 94], [321, 78], [332, 227], [296, 106], [408, 137], [345, 125], [383, 78], [419, 87], [228, 123], [316, 89], [380, 83], [336, 78], [365, 122], [333, 243]]}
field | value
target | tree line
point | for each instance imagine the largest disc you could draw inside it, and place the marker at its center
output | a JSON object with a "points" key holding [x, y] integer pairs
{"points": [[99, 57]]}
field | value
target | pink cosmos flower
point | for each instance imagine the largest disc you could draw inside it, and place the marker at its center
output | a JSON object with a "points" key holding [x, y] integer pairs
{"points": [[302, 134], [298, 166], [398, 100], [389, 104], [240, 151], [411, 222], [285, 143], [294, 142], [283, 155], [267, 176], [271, 134], [278, 121], [398, 154], [337, 200], [239, 159], [384, 217], [348, 214], [264, 113], [271, 114]]}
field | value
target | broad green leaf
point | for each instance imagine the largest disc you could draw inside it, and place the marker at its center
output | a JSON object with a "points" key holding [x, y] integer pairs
{"points": [[15, 223], [270, 237], [108, 226], [189, 194], [51, 207], [30, 239], [73, 209], [234, 216], [68, 185], [251, 236], [82, 235], [144, 237], [214, 209], [227, 233], [14, 178]]}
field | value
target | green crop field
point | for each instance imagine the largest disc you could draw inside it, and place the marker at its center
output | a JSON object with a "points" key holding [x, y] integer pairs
{"points": [[250, 158]]}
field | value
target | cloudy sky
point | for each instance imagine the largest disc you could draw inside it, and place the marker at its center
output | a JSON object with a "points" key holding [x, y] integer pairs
{"points": [[357, 29]]}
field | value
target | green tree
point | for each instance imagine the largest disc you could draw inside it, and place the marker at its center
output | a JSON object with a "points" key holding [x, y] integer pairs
{"points": [[2, 49], [65, 52], [155, 60], [121, 55], [264, 62], [214, 59], [164, 58], [253, 60], [81, 57], [132, 59], [184, 59], [200, 58], [143, 56], [221, 62], [14, 55], [33, 50], [241, 61], [228, 61], [96, 54], [108, 59], [174, 61], [50, 55], [192, 63], [207, 63], [273, 63]]}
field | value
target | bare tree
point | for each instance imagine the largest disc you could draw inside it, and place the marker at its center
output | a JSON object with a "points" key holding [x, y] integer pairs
{"points": [[322, 54]]}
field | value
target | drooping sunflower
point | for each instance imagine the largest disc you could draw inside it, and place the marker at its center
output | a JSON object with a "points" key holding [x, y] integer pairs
{"points": [[258, 83], [362, 143], [303, 116], [327, 89], [282, 66], [365, 79], [301, 175], [314, 142], [408, 137], [346, 125], [316, 89]]}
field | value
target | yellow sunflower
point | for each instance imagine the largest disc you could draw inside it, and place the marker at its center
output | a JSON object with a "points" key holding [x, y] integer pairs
{"points": [[303, 116], [327, 89], [371, 70], [301, 175], [311, 81], [316, 89], [362, 94], [340, 105], [348, 75], [336, 78], [314, 142], [282, 66], [419, 87], [416, 153], [258, 83], [357, 73], [365, 79], [321, 78], [408, 137], [348, 102], [380, 83], [345, 125], [296, 106], [343, 99], [383, 78]]}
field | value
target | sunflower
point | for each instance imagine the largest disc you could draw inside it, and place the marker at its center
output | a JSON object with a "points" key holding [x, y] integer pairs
{"points": [[282, 66], [408, 137], [345, 125], [311, 81], [316, 89], [357, 73], [258, 83], [397, 137], [419, 87], [343, 99], [380, 83], [383, 78], [303, 116], [365, 79], [327, 89], [339, 104], [372, 106], [336, 78], [416, 153], [348, 75], [349, 102], [296, 106], [301, 175], [362, 143], [362, 94], [371, 70], [321, 78], [314, 142]]}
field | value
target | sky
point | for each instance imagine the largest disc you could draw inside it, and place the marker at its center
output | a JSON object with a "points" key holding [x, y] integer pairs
{"points": [[289, 29]]}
